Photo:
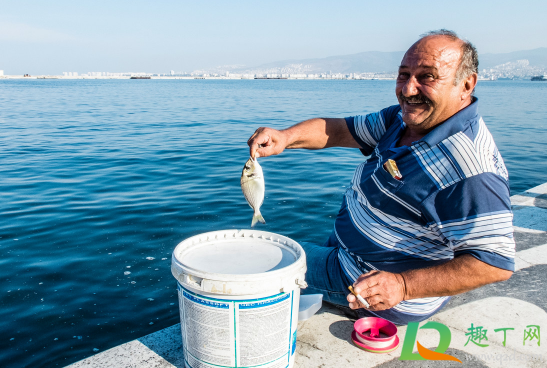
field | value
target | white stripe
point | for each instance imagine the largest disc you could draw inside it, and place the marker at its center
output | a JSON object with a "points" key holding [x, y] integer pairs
{"points": [[388, 237], [421, 306], [393, 196], [348, 265], [420, 153], [380, 127], [500, 245], [488, 153], [403, 224], [492, 232], [346, 261], [463, 151], [379, 155], [363, 132], [471, 157], [484, 217]]}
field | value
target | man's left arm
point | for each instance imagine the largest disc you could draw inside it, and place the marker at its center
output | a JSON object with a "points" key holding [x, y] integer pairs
{"points": [[383, 290]]}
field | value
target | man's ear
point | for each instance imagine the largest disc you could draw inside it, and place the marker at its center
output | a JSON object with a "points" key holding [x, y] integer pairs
{"points": [[469, 85]]}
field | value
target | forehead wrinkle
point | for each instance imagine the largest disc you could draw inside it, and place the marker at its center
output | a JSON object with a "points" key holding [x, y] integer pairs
{"points": [[443, 61], [439, 50]]}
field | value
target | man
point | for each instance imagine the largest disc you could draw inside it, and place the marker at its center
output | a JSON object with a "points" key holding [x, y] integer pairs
{"points": [[443, 228]]}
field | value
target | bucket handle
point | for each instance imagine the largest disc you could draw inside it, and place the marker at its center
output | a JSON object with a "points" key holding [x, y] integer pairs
{"points": [[193, 281], [301, 283]]}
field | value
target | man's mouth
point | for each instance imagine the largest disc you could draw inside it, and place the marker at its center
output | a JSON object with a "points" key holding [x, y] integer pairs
{"points": [[415, 100]]}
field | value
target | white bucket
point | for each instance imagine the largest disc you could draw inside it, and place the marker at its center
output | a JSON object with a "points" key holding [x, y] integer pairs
{"points": [[238, 297]]}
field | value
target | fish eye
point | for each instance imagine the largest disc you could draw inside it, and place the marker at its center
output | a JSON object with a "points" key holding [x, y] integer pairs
{"points": [[247, 167]]}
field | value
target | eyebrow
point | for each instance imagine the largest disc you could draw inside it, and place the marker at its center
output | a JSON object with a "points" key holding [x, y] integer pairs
{"points": [[422, 67]]}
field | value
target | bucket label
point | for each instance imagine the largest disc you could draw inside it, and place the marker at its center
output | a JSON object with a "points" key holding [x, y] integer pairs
{"points": [[237, 333], [264, 328], [207, 331], [264, 303], [208, 303]]}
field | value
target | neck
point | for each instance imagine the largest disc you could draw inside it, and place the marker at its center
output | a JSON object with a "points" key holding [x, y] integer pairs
{"points": [[409, 136]]}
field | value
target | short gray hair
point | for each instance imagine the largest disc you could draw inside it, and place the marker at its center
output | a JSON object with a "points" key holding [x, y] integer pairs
{"points": [[469, 62]]}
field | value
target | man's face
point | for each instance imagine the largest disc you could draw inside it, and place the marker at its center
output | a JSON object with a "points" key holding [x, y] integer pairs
{"points": [[425, 84]]}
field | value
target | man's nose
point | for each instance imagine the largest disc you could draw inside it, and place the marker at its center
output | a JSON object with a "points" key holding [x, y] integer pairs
{"points": [[411, 87]]}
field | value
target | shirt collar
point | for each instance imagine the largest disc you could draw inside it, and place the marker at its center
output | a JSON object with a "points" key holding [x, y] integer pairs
{"points": [[456, 123]]}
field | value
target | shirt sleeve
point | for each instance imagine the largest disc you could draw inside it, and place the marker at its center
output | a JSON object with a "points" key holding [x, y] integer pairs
{"points": [[475, 217], [368, 129]]}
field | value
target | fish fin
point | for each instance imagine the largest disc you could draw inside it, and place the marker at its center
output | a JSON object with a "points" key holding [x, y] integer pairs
{"points": [[256, 218]]}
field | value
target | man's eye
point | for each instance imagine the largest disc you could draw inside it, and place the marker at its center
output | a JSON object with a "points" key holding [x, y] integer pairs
{"points": [[402, 76]]}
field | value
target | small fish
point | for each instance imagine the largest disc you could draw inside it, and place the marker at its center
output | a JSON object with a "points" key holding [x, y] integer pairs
{"points": [[253, 187]]}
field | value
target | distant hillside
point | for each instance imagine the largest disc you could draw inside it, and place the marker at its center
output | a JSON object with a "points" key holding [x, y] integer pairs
{"points": [[536, 57], [370, 61], [375, 62]]}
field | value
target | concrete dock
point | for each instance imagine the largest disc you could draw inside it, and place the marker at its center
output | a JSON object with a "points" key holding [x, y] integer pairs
{"points": [[518, 305]]}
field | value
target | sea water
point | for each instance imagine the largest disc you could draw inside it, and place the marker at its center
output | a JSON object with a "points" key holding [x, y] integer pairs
{"points": [[100, 179]]}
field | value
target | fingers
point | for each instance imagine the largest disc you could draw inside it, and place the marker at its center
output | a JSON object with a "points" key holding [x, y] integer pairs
{"points": [[368, 294], [257, 142], [375, 303], [381, 290], [354, 302], [366, 281], [373, 307], [266, 142]]}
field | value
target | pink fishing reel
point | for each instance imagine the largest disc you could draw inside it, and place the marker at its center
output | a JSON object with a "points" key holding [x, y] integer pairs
{"points": [[375, 335]]}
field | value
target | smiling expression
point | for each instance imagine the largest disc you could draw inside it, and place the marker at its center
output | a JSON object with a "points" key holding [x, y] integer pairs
{"points": [[425, 83]]}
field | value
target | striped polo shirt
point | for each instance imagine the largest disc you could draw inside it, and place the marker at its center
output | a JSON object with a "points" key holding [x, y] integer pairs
{"points": [[453, 199]]}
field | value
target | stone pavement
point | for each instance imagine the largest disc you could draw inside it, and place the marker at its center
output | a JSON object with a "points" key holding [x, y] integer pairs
{"points": [[324, 340]]}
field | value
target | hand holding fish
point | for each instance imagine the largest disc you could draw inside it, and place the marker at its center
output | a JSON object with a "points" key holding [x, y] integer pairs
{"points": [[267, 142], [316, 133]]}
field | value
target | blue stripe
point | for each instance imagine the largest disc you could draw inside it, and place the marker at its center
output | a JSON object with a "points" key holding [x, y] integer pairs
{"points": [[452, 160], [352, 129], [407, 234]]}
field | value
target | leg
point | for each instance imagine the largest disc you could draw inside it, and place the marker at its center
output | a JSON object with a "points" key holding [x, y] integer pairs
{"points": [[324, 274]]}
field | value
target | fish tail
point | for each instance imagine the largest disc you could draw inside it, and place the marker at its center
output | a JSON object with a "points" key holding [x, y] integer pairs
{"points": [[257, 217]]}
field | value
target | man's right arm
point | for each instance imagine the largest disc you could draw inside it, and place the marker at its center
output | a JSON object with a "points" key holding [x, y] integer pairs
{"points": [[315, 133]]}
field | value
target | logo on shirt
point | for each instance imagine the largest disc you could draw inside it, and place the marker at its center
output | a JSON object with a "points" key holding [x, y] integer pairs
{"points": [[423, 352]]}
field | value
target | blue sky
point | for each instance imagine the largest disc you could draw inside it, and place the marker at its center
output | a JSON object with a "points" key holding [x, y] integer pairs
{"points": [[49, 37]]}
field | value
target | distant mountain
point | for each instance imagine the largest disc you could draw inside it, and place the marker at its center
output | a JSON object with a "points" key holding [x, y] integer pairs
{"points": [[370, 61], [375, 62], [536, 57]]}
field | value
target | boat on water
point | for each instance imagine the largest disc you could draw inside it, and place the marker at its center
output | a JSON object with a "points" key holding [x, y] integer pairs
{"points": [[539, 78]]}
